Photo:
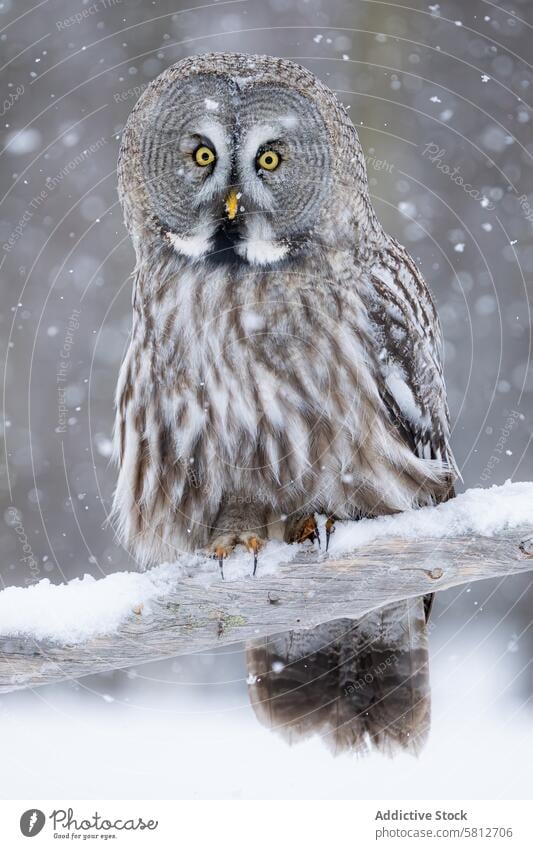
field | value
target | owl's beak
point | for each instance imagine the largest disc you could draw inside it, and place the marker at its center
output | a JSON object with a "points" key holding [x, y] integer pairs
{"points": [[231, 204]]}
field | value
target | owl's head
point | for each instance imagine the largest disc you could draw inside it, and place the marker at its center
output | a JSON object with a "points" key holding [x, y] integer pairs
{"points": [[235, 158]]}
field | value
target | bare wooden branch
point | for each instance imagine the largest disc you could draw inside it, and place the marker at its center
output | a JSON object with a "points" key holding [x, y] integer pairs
{"points": [[302, 594]]}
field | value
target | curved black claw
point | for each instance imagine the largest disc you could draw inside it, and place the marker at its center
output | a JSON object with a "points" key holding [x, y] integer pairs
{"points": [[330, 529], [220, 559], [315, 535]]}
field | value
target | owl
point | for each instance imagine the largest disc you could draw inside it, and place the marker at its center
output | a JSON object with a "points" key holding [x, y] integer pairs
{"points": [[285, 355]]}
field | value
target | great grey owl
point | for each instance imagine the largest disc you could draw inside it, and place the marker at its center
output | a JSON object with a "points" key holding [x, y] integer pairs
{"points": [[285, 357]]}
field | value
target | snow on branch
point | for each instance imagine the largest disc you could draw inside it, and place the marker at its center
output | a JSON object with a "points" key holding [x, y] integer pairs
{"points": [[51, 632]]}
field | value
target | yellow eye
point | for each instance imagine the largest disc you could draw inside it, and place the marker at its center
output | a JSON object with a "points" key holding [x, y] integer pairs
{"points": [[204, 156], [269, 160]]}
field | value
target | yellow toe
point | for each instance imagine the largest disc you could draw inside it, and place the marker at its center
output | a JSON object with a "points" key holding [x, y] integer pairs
{"points": [[254, 544]]}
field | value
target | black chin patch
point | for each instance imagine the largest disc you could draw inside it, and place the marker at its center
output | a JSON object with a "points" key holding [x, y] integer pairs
{"points": [[223, 245]]}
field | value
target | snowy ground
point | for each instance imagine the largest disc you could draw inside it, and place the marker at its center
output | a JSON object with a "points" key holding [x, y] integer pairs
{"points": [[87, 607], [161, 736]]}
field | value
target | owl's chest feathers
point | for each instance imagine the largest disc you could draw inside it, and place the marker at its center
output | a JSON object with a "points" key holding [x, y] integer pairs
{"points": [[269, 369], [215, 318]]}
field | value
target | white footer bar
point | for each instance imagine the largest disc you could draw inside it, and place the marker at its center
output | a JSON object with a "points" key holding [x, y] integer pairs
{"points": [[264, 824]]}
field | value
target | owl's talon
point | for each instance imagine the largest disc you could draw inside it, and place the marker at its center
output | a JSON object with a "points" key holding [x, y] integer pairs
{"points": [[330, 529], [305, 530], [222, 546], [253, 544], [219, 550]]}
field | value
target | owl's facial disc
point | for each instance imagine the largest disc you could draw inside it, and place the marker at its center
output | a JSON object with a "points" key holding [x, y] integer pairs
{"points": [[236, 172]]}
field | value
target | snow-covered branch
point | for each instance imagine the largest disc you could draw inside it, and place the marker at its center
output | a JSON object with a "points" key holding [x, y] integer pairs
{"points": [[49, 632]]}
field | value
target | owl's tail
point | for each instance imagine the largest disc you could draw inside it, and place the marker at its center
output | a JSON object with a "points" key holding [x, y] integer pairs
{"points": [[358, 684]]}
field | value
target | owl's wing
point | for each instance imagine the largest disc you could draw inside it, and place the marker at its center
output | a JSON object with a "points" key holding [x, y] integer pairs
{"points": [[408, 342]]}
